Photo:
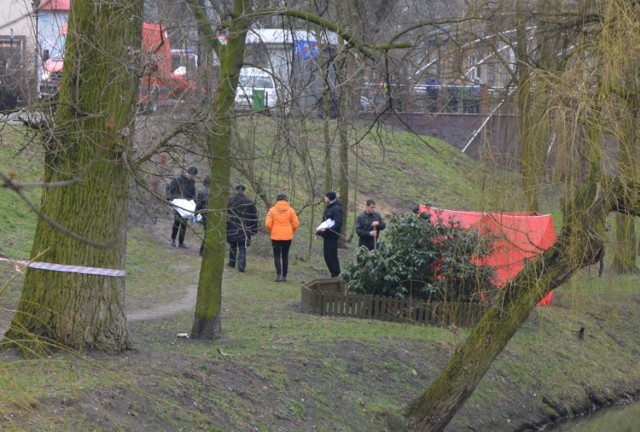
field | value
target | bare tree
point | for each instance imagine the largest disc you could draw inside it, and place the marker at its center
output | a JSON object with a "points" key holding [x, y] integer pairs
{"points": [[592, 82]]}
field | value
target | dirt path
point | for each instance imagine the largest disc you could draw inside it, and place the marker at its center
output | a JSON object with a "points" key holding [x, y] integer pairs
{"points": [[159, 311], [167, 309]]}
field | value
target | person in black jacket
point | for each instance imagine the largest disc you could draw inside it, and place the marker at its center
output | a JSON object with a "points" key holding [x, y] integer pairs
{"points": [[242, 223], [181, 187], [368, 226], [202, 204], [331, 235]]}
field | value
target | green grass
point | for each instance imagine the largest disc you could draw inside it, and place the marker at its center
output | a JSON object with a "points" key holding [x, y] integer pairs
{"points": [[278, 369], [22, 165], [152, 268], [399, 169]]}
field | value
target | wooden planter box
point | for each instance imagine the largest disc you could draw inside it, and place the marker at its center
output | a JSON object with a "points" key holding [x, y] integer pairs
{"points": [[328, 297], [333, 285]]}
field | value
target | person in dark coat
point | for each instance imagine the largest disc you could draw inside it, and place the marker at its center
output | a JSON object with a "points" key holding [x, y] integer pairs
{"points": [[242, 223], [181, 187], [202, 204], [333, 211], [368, 226]]}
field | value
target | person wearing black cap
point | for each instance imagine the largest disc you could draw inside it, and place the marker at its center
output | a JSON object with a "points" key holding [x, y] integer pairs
{"points": [[181, 187], [242, 223], [282, 221], [331, 235]]}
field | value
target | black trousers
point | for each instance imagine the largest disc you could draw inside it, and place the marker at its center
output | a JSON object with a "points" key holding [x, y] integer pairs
{"points": [[179, 228], [330, 249], [281, 256], [238, 254]]}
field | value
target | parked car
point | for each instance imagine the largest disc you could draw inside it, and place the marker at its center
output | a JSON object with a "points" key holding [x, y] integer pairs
{"points": [[256, 90]]}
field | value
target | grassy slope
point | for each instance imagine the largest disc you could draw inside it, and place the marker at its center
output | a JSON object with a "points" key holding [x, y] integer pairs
{"points": [[22, 165], [278, 369]]}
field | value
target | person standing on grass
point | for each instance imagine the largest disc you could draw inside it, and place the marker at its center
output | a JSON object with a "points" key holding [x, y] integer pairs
{"points": [[282, 221], [331, 235], [368, 226], [181, 187], [242, 223]]}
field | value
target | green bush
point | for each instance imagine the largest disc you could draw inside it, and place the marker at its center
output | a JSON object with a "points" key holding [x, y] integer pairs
{"points": [[424, 259]]}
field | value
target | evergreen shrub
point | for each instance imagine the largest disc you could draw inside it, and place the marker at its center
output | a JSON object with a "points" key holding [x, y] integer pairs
{"points": [[426, 259]]}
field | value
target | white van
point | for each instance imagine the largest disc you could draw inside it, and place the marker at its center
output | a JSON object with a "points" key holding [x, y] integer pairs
{"points": [[255, 80]]}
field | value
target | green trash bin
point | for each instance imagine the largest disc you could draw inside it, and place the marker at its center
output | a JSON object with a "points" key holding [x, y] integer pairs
{"points": [[258, 99]]}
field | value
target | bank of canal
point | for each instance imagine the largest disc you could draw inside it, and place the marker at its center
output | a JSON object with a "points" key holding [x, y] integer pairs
{"points": [[621, 418]]}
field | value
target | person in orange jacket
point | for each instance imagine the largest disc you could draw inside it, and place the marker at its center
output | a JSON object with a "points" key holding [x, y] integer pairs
{"points": [[282, 221]]}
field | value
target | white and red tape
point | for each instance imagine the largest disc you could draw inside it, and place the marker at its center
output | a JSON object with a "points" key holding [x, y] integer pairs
{"points": [[65, 268]]}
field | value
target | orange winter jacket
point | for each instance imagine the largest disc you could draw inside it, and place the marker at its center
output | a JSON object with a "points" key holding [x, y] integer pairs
{"points": [[282, 221]]}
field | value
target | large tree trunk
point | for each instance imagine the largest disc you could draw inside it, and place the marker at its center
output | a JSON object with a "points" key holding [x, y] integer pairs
{"points": [[579, 245], [85, 223], [207, 320]]}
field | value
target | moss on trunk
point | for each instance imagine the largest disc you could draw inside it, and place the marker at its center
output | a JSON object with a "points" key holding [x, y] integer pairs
{"points": [[207, 320], [87, 150]]}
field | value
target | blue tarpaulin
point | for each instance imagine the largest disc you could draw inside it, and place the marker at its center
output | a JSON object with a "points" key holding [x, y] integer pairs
{"points": [[305, 49]]}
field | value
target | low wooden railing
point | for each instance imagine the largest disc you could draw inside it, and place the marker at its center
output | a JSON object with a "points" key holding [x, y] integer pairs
{"points": [[328, 297]]}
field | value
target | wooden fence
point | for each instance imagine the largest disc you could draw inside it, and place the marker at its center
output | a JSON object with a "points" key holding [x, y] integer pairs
{"points": [[328, 297]]}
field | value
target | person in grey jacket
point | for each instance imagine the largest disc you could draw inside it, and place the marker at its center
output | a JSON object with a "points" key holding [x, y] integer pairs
{"points": [[368, 226]]}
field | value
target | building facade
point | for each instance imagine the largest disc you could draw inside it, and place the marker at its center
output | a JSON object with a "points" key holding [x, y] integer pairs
{"points": [[17, 52]]}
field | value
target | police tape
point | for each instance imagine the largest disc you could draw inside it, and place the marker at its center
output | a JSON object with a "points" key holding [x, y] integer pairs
{"points": [[16, 263], [65, 268]]}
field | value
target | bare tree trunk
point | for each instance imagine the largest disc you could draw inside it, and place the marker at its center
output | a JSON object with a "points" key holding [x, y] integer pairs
{"points": [[345, 121], [328, 142], [87, 148], [207, 320], [349, 12], [344, 178]]}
